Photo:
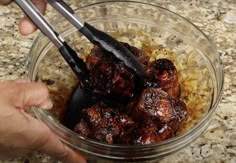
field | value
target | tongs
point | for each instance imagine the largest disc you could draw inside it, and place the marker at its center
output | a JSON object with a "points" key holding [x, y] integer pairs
{"points": [[97, 37]]}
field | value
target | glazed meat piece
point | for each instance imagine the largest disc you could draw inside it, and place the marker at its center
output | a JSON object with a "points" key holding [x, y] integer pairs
{"points": [[82, 128], [180, 110], [148, 131], [157, 104], [143, 131], [162, 73], [102, 123], [110, 77], [168, 130]]}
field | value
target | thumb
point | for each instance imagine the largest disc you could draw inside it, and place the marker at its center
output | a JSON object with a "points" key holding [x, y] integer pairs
{"points": [[55, 148], [26, 26], [32, 94]]}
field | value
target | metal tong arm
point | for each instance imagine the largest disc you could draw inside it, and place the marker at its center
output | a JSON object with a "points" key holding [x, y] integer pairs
{"points": [[33, 13], [65, 10], [76, 64]]}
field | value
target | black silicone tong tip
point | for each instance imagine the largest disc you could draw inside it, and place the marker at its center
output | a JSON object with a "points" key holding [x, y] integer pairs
{"points": [[111, 45], [80, 99], [83, 95], [77, 64]]}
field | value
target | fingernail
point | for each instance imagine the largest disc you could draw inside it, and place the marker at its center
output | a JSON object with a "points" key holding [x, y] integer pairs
{"points": [[46, 104], [26, 27]]}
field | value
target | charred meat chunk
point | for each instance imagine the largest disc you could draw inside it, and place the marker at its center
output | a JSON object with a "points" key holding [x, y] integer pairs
{"points": [[148, 130], [110, 77], [102, 123], [143, 131], [162, 73], [156, 104], [168, 130], [157, 117]]}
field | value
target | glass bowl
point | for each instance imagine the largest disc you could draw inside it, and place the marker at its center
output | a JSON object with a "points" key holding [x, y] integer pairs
{"points": [[162, 34]]}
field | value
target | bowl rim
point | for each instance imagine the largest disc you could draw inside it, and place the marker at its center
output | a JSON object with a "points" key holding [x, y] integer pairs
{"points": [[41, 113]]}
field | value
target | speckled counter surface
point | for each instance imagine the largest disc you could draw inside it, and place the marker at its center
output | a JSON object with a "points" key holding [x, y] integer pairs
{"points": [[216, 18]]}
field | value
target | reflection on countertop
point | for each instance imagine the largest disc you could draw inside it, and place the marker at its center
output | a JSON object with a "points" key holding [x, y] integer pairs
{"points": [[216, 18]]}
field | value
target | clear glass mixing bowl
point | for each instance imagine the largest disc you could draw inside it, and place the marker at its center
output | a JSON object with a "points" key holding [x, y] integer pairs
{"points": [[161, 33]]}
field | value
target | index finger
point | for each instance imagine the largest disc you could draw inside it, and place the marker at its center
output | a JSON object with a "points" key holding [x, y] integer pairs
{"points": [[26, 26], [5, 2]]}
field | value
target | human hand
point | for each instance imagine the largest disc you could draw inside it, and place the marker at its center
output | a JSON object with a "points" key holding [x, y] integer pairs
{"points": [[26, 27], [20, 132]]}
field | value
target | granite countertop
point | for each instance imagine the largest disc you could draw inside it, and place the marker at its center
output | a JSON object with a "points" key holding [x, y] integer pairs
{"points": [[216, 18]]}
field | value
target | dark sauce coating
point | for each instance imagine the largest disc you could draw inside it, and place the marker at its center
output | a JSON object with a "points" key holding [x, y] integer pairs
{"points": [[156, 104], [148, 117], [163, 74], [112, 78], [103, 123]]}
